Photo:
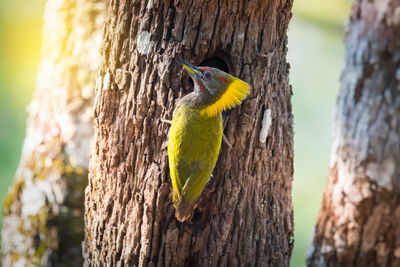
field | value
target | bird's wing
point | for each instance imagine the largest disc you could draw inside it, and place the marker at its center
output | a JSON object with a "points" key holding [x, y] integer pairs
{"points": [[193, 149]]}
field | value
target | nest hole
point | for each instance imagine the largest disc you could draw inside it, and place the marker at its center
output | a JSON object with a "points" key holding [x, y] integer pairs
{"points": [[213, 62]]}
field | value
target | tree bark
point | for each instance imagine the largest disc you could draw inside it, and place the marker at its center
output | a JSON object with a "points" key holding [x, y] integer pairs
{"points": [[245, 215], [43, 212], [358, 224]]}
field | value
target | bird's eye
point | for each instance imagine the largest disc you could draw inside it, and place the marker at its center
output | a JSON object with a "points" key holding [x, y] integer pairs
{"points": [[207, 75]]}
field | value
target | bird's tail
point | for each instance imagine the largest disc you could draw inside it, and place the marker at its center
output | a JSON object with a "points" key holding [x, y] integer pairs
{"points": [[183, 210]]}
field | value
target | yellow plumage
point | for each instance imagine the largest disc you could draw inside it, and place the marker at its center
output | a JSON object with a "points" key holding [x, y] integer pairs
{"points": [[196, 133], [236, 91], [193, 148]]}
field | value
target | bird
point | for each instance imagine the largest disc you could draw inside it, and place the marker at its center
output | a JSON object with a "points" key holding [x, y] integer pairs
{"points": [[196, 132]]}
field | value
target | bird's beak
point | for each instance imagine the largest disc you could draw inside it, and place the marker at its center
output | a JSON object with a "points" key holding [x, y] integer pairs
{"points": [[193, 70]]}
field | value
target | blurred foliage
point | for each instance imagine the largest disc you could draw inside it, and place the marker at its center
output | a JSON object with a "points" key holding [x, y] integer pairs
{"points": [[315, 53], [316, 56], [20, 32], [325, 13]]}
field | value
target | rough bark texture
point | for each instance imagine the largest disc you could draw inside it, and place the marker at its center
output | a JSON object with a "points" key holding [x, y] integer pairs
{"points": [[359, 221], [43, 212], [245, 214]]}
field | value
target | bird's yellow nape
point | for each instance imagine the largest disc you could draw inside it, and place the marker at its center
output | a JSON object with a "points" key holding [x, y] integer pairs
{"points": [[234, 94]]}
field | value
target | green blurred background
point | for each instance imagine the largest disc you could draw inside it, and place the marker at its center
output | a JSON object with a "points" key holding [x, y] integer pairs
{"points": [[316, 55]]}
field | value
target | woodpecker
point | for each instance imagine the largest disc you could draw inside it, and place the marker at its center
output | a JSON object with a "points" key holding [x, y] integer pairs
{"points": [[196, 130]]}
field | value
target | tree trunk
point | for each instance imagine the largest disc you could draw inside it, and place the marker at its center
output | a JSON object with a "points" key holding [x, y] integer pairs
{"points": [[245, 214], [43, 212], [358, 224]]}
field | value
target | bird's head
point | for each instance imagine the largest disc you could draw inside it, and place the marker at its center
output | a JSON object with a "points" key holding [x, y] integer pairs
{"points": [[217, 89]]}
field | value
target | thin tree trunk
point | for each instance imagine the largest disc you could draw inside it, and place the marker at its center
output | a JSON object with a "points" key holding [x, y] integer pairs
{"points": [[359, 221], [43, 212], [245, 214]]}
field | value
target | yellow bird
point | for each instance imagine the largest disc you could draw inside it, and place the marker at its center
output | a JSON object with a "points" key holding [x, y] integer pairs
{"points": [[196, 133]]}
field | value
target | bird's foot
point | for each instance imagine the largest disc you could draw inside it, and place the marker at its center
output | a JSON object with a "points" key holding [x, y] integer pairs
{"points": [[223, 129], [226, 141]]}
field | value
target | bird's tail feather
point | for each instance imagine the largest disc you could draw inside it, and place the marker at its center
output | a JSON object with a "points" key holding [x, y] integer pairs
{"points": [[183, 210]]}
